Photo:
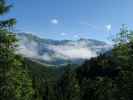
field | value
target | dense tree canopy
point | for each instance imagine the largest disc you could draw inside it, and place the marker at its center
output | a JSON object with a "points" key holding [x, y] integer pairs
{"points": [[106, 77], [15, 83]]}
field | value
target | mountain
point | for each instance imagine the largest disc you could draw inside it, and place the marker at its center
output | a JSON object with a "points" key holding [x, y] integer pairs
{"points": [[59, 52]]}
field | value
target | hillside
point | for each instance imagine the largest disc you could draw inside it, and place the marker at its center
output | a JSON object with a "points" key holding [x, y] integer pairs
{"points": [[59, 52]]}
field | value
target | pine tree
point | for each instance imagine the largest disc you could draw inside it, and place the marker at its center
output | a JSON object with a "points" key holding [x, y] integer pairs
{"points": [[15, 83], [69, 88], [123, 55]]}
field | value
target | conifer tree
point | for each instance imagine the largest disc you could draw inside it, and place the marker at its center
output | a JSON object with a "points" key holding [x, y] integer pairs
{"points": [[15, 83]]}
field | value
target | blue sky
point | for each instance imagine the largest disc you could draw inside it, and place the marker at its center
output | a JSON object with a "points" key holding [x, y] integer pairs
{"points": [[72, 19]]}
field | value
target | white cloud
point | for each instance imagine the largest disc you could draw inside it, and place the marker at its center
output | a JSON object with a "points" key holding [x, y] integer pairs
{"points": [[63, 34], [30, 49], [108, 27], [27, 48], [70, 50], [74, 51], [54, 21], [46, 57], [76, 36]]}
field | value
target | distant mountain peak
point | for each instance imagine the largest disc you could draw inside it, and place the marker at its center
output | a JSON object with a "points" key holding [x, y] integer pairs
{"points": [[59, 51]]}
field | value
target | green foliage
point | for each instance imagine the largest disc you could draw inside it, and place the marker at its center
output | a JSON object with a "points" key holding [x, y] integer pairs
{"points": [[14, 80], [106, 77], [44, 79], [21, 83], [7, 24], [4, 8], [68, 86], [15, 83]]}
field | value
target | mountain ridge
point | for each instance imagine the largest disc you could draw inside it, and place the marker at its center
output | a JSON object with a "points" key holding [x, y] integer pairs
{"points": [[58, 52]]}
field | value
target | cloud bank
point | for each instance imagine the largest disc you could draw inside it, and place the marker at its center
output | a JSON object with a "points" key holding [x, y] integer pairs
{"points": [[108, 27], [69, 50], [54, 21], [73, 52]]}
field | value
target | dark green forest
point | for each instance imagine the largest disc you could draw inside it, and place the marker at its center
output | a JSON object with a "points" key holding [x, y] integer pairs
{"points": [[106, 77]]}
